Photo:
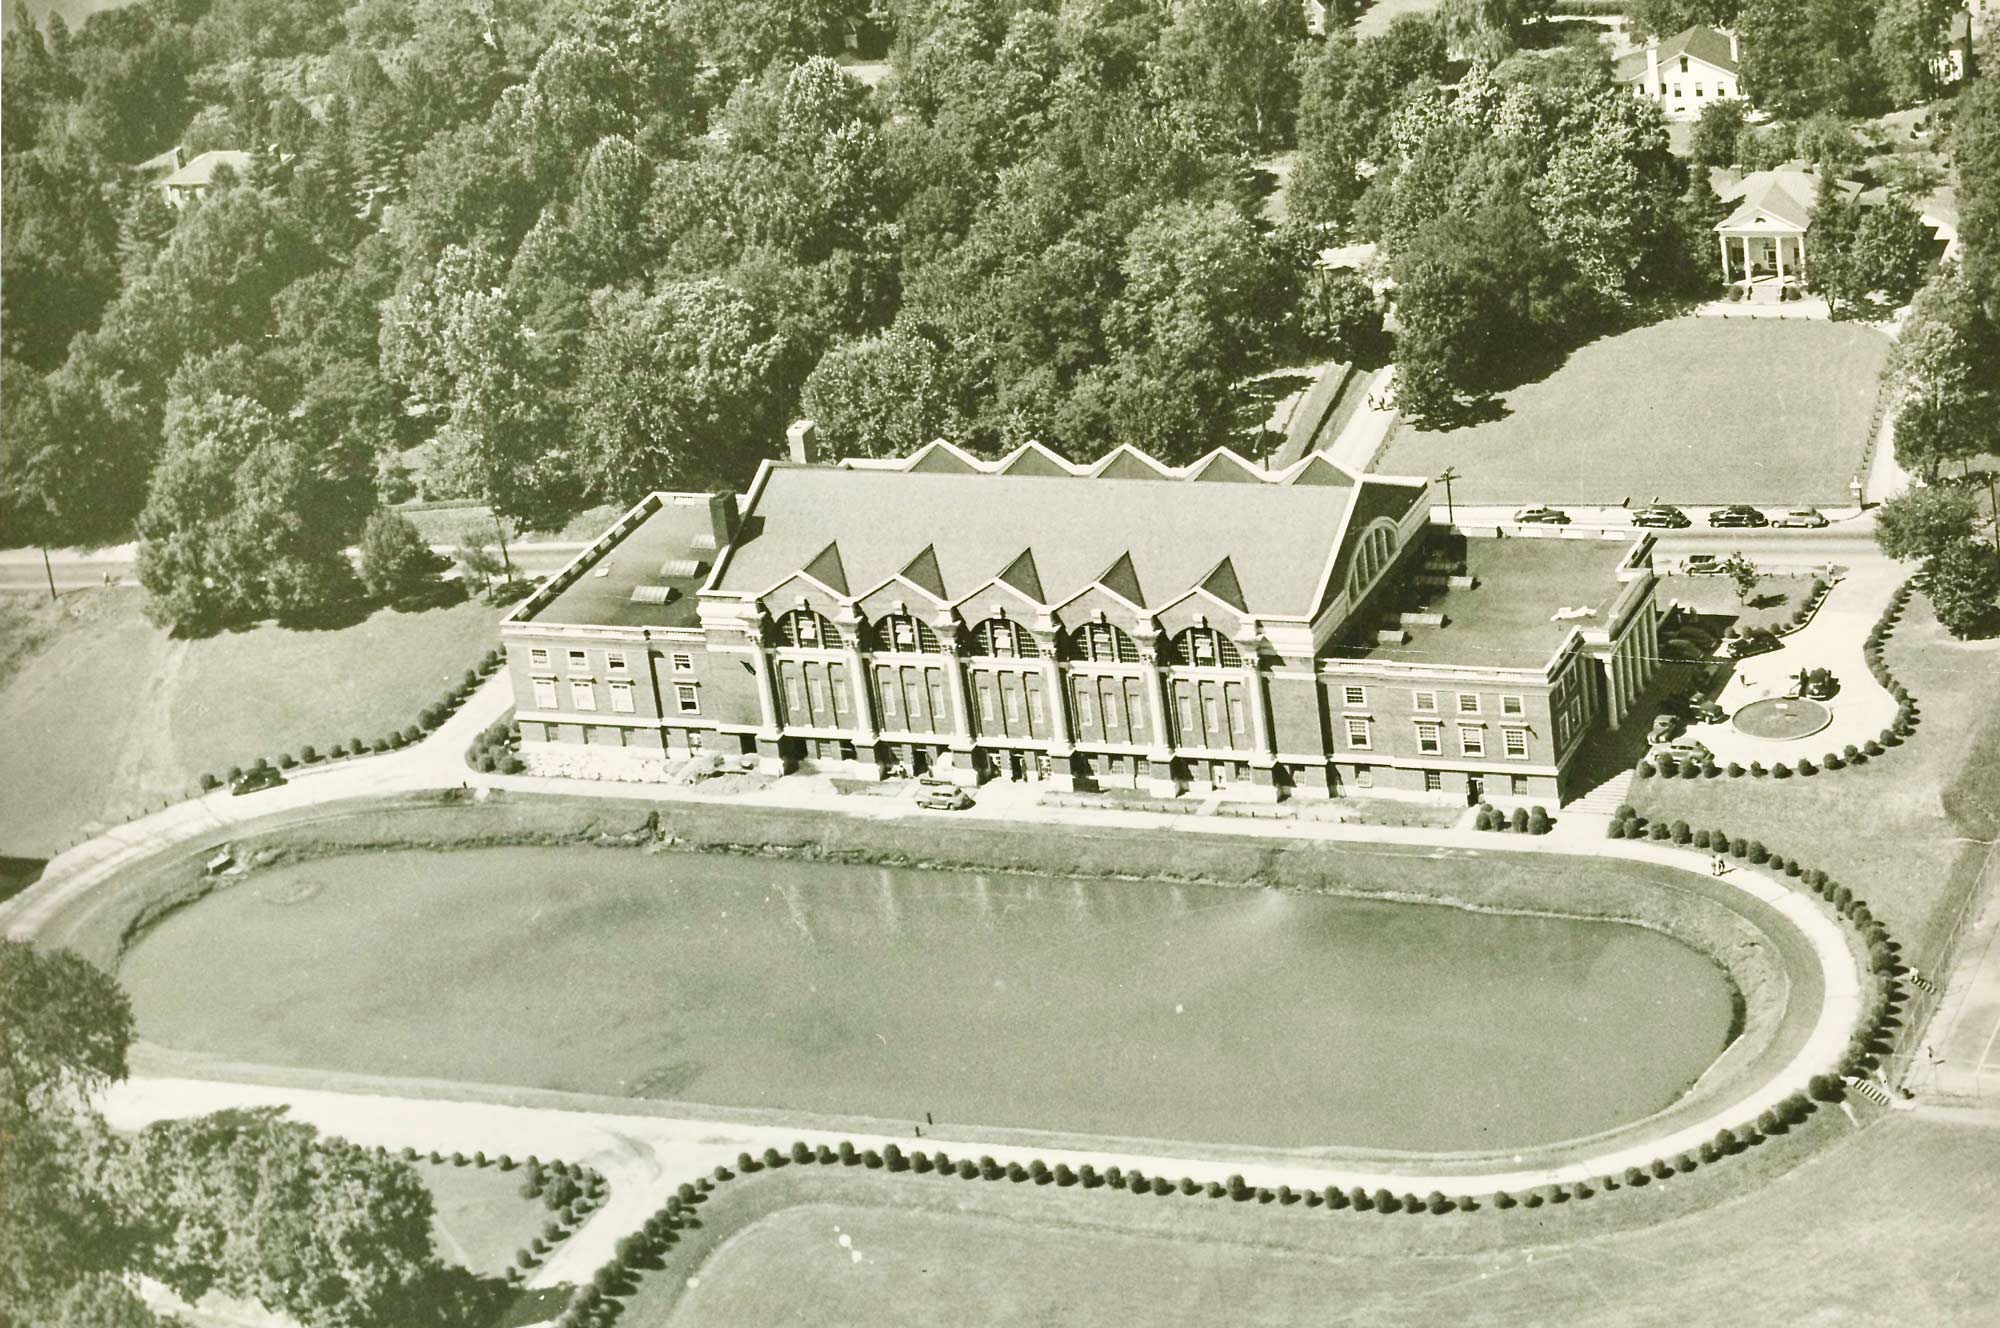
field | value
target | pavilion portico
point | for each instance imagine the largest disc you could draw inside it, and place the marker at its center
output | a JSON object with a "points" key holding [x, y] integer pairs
{"points": [[1763, 241], [1753, 252]]}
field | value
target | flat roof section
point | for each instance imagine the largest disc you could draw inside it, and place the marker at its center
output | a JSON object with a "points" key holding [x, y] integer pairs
{"points": [[601, 596], [1508, 620]]}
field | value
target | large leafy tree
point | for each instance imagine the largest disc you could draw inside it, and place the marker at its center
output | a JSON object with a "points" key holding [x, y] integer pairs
{"points": [[881, 395], [1975, 146], [1919, 522], [1489, 30], [254, 1205], [1908, 45], [1663, 18], [1801, 56], [684, 388], [1962, 580], [1948, 395], [1232, 62], [1348, 92]]}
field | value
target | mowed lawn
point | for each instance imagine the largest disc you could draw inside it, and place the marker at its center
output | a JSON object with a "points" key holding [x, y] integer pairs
{"points": [[106, 715], [1882, 1225], [1694, 410], [482, 1219]]}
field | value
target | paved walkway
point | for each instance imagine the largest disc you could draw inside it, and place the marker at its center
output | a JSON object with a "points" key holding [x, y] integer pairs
{"points": [[1358, 442], [1835, 639]]}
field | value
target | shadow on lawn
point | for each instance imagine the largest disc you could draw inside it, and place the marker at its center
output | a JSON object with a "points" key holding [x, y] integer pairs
{"points": [[455, 1298]]}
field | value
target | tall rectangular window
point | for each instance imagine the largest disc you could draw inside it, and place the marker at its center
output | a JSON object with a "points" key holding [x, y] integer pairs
{"points": [[583, 695], [1010, 706], [1236, 724], [1111, 710], [621, 697], [1516, 741], [888, 690], [545, 694], [986, 704], [1086, 713], [687, 699], [1364, 776], [1358, 736], [1472, 742], [1427, 738], [1354, 696]]}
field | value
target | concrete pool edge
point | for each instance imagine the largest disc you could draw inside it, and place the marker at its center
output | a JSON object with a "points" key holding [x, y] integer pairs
{"points": [[1819, 1052]]}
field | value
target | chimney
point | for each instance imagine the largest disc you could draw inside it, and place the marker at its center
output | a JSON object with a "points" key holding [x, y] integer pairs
{"points": [[1653, 85], [721, 526], [803, 441], [1734, 57]]}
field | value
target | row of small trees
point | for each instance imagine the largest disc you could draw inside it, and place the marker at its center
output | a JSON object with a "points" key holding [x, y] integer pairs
{"points": [[1524, 821]]}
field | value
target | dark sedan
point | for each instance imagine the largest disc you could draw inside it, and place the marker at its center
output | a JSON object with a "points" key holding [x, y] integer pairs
{"points": [[1737, 515], [1663, 515]]}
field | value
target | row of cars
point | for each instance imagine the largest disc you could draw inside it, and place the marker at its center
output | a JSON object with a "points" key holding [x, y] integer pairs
{"points": [[1669, 517]]}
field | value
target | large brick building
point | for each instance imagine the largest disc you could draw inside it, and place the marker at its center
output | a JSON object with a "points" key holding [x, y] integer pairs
{"points": [[1305, 631]]}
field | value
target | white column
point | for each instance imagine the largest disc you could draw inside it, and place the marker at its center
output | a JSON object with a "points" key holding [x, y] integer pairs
{"points": [[961, 714], [1779, 248], [1724, 241], [1612, 713], [864, 710], [1054, 697], [767, 707]]}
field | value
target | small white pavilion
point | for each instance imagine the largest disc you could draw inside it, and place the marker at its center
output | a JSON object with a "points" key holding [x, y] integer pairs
{"points": [[1764, 240]]}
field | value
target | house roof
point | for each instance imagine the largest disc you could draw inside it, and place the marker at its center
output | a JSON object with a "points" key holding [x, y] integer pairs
{"points": [[200, 171], [1697, 43], [1148, 534], [1783, 198]]}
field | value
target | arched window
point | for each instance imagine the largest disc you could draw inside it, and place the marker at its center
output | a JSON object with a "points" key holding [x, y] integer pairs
{"points": [[1206, 648], [1373, 552], [905, 634], [1103, 643], [810, 630], [1007, 640]]}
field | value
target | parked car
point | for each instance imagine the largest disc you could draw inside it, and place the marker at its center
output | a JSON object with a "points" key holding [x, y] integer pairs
{"points": [[944, 798], [1682, 751], [1541, 516], [1753, 642], [261, 777], [1661, 514], [1805, 518], [1737, 514], [1665, 728], [1701, 564]]}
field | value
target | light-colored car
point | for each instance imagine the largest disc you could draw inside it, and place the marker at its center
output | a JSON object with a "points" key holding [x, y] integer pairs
{"points": [[1804, 518], [944, 798], [1541, 516]]}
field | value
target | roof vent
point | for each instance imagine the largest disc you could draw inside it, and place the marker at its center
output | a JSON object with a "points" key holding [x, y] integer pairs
{"points": [[654, 594], [681, 569], [703, 543]]}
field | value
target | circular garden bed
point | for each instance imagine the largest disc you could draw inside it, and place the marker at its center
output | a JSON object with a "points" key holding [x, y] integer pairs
{"points": [[1779, 718]]}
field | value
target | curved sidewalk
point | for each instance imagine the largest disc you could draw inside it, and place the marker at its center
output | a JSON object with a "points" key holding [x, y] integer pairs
{"points": [[647, 1156]]}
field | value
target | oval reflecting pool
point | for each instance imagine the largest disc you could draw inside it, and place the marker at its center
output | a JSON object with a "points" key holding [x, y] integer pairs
{"points": [[1105, 1007]]}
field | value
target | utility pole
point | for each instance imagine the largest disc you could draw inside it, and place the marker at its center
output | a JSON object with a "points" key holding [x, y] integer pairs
{"points": [[1450, 512], [49, 572]]}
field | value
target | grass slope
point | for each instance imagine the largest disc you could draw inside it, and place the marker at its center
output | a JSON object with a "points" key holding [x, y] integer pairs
{"points": [[481, 1217], [111, 714], [1690, 410]]}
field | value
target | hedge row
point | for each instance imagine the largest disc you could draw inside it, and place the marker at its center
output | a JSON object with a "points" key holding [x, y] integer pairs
{"points": [[1524, 821], [1799, 617], [429, 718]]}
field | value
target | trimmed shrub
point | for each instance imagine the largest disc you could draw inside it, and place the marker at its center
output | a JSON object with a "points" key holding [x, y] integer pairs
{"points": [[1016, 1172], [1872, 747], [1758, 853], [1626, 811], [1659, 831], [1214, 1190], [1162, 1186], [235, 773], [892, 1158], [1582, 1190], [1659, 1169], [1616, 830], [1064, 1176], [1437, 1204], [1701, 839], [1190, 1186], [1532, 1199], [1645, 770], [1088, 1175], [849, 1157], [1482, 820], [1806, 767], [1735, 770], [1832, 761], [1114, 1178], [209, 782], [1336, 1197], [1502, 1199], [1781, 771], [968, 1170], [1519, 821], [1757, 769], [1726, 1141], [1682, 834], [1538, 822], [989, 1169], [1361, 1200], [1691, 769]]}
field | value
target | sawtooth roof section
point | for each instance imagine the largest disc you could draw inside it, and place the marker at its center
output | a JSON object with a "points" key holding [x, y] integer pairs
{"points": [[941, 458], [1034, 459], [827, 569], [1170, 534], [1319, 468], [1024, 576], [1126, 462], [1225, 467]]}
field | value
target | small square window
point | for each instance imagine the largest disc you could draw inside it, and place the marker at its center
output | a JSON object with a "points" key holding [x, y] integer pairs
{"points": [[1520, 786], [1511, 705], [687, 699], [1003, 641], [1204, 648], [538, 658], [1364, 776], [621, 697], [1354, 696], [683, 663], [1427, 703], [1468, 703], [1472, 742], [614, 661], [578, 660], [1357, 734], [1433, 782]]}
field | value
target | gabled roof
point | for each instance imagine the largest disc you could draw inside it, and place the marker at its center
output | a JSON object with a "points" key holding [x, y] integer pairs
{"points": [[1222, 584], [1023, 575], [200, 171], [922, 571], [1126, 462], [1707, 45], [1122, 580], [1319, 468], [1781, 199], [827, 569]]}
